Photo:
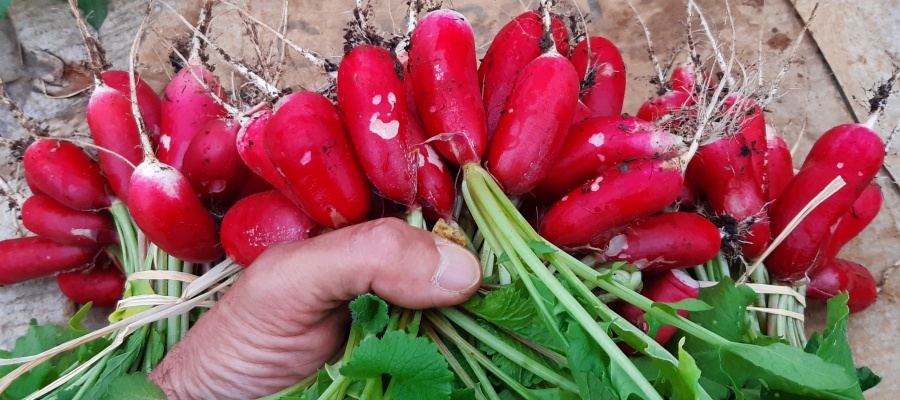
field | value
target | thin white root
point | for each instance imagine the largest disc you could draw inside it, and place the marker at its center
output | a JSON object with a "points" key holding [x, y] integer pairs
{"points": [[245, 71], [310, 55], [33, 128], [720, 59], [660, 73], [138, 118], [95, 57]]}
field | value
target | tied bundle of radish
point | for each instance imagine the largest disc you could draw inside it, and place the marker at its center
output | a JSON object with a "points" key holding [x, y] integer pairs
{"points": [[618, 284]]}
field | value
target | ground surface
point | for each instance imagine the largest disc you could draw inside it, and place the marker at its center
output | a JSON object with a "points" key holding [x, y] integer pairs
{"points": [[852, 46]]}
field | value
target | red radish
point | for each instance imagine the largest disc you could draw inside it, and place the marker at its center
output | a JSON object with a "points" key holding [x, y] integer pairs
{"points": [[165, 208], [663, 242], [50, 219], [444, 76], [260, 221], [600, 143], [213, 166], [66, 173], [615, 198], [863, 212], [779, 164], [435, 188], [27, 258], [514, 47], [101, 285], [582, 113], [602, 72], [669, 287], [852, 151], [839, 275], [722, 172], [688, 199], [252, 150], [684, 78], [113, 128], [307, 141], [663, 105], [186, 106], [148, 101], [751, 125], [252, 185], [531, 133], [372, 98]]}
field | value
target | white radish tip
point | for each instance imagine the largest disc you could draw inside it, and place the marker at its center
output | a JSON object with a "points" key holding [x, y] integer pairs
{"points": [[685, 279]]}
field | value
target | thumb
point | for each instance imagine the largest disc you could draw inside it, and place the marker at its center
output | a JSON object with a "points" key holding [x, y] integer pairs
{"points": [[406, 266]]}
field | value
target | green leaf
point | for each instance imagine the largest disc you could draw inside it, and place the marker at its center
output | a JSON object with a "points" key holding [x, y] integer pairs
{"points": [[867, 378], [463, 394], [503, 259], [370, 313], [94, 11], [516, 372], [511, 308], [4, 7], [789, 369], [834, 347], [417, 368], [690, 372], [541, 248], [38, 339], [133, 387], [120, 363], [690, 305], [589, 365], [155, 349], [75, 323], [727, 318]]}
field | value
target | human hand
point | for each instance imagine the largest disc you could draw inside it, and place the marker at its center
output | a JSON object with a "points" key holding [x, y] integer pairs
{"points": [[287, 314]]}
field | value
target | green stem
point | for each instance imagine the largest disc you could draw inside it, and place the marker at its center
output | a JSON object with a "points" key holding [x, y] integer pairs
{"points": [[442, 324], [445, 351], [484, 360], [534, 366], [372, 391], [480, 181], [173, 324], [127, 237], [293, 389], [92, 376]]}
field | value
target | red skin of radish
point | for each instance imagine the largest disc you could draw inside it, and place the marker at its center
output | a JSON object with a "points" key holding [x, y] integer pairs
{"points": [[66, 173], [444, 75], [839, 275], [213, 166], [722, 172], [752, 127], [582, 113], [252, 185], [531, 133], [435, 188], [604, 91], [615, 198], [687, 197], [186, 106], [309, 145], [863, 212], [50, 219], [102, 285], [113, 128], [684, 78], [252, 149], [516, 45], [260, 221], [600, 143], [663, 242], [852, 151], [148, 101], [660, 106], [372, 99], [669, 287], [27, 258], [779, 164], [165, 208]]}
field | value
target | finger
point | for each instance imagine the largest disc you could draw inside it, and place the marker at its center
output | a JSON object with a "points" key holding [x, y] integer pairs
{"points": [[406, 266]]}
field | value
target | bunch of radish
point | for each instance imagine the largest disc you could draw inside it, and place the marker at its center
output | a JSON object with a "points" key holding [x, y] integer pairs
{"points": [[413, 129]]}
